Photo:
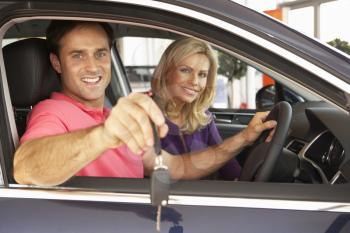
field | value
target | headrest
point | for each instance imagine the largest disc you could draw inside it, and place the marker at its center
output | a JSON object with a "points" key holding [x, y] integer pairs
{"points": [[29, 73]]}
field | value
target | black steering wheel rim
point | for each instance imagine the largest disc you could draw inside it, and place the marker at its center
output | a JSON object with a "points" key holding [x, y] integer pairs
{"points": [[263, 156]]}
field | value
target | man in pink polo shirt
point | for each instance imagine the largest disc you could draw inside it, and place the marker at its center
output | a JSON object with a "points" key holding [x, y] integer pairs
{"points": [[68, 134], [73, 134]]}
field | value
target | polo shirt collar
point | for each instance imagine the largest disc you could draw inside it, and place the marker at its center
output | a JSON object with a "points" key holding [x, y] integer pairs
{"points": [[90, 110]]}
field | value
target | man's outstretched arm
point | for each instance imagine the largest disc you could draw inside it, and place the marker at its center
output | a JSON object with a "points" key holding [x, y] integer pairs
{"points": [[52, 160]]}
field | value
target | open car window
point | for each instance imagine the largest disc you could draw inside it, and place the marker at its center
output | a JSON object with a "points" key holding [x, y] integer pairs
{"points": [[234, 91], [239, 85]]}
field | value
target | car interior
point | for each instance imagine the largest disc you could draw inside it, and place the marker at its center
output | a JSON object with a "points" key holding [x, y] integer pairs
{"points": [[35, 81], [314, 144]]}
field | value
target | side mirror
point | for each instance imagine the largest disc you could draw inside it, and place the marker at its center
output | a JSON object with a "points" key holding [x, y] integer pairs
{"points": [[269, 95], [265, 98]]}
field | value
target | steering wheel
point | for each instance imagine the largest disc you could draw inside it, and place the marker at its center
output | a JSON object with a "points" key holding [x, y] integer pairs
{"points": [[263, 156]]}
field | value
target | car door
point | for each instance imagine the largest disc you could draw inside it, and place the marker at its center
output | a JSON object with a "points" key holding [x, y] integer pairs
{"points": [[248, 91], [87, 204]]}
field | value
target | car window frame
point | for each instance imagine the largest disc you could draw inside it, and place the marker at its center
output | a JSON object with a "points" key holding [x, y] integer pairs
{"points": [[258, 192]]}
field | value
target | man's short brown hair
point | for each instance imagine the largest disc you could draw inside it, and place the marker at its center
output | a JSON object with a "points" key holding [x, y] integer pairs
{"points": [[59, 28]]}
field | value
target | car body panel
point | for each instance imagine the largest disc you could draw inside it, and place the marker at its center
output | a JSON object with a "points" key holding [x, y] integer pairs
{"points": [[78, 211], [78, 216]]}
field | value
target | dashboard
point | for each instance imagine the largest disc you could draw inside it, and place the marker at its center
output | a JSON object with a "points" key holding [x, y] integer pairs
{"points": [[318, 135]]}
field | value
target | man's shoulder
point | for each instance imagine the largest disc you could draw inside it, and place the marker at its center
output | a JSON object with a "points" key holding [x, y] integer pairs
{"points": [[53, 106], [50, 104]]}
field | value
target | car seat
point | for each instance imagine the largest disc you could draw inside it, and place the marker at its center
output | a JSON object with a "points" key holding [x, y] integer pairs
{"points": [[29, 75]]}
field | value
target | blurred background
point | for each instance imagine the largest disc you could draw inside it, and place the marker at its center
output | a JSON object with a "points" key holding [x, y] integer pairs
{"points": [[323, 19]]}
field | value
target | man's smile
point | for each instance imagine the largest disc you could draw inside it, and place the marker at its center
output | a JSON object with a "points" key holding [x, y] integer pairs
{"points": [[91, 80]]}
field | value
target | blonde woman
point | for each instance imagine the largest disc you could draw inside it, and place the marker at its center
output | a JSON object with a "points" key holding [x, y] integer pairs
{"points": [[184, 87]]}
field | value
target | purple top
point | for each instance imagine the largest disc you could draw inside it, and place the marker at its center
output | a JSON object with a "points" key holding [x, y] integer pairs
{"points": [[199, 140]]}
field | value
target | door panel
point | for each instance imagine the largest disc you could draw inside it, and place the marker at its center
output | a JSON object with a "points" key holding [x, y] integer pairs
{"points": [[53, 216], [231, 121]]}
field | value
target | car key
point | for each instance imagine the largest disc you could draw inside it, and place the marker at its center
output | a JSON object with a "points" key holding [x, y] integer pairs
{"points": [[160, 180]]}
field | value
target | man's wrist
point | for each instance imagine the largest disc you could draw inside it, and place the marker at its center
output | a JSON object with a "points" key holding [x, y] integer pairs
{"points": [[109, 140]]}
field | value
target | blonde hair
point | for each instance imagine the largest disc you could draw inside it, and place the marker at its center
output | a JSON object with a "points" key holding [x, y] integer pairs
{"points": [[194, 112]]}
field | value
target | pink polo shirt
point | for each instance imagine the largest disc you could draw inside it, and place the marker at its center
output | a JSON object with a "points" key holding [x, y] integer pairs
{"points": [[61, 114]]}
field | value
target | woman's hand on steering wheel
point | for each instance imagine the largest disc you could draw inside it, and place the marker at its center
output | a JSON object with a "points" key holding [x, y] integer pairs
{"points": [[263, 154], [256, 126]]}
